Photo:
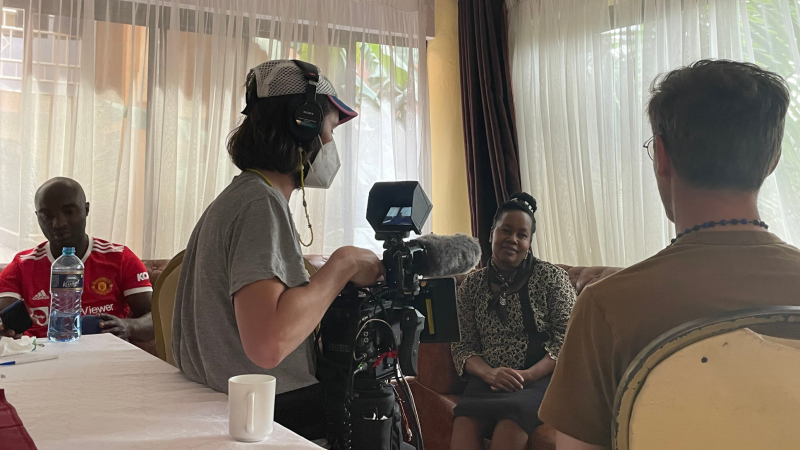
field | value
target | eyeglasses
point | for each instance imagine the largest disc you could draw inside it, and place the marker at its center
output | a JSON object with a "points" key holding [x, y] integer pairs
{"points": [[649, 147]]}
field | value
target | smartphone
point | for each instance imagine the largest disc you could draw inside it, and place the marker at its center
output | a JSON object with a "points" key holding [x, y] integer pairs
{"points": [[16, 317]]}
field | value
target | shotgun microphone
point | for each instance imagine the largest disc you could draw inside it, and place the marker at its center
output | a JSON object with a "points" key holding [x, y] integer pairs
{"points": [[448, 255]]}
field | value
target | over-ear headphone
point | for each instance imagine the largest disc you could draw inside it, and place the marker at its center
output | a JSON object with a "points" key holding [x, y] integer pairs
{"points": [[305, 115]]}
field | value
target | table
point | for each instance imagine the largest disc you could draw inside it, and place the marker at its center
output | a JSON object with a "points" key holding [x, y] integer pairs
{"points": [[104, 393]]}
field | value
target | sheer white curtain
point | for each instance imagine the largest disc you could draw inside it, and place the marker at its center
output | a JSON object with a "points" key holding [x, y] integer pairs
{"points": [[135, 99], [581, 70]]}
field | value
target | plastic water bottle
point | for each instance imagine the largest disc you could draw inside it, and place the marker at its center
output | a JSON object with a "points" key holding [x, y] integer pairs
{"points": [[66, 288]]}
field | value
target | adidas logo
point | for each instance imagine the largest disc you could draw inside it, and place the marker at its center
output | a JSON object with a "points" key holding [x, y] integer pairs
{"points": [[42, 295]]}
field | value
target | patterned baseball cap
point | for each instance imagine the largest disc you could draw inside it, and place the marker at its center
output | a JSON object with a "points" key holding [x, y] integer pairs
{"points": [[284, 77]]}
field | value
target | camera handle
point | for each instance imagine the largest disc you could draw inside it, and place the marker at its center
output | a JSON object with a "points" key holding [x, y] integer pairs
{"points": [[411, 324]]}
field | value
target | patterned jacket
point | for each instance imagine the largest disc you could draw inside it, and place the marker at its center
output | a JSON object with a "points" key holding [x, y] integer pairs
{"points": [[504, 345]]}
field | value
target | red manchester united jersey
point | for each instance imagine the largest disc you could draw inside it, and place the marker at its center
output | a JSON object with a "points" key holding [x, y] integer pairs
{"points": [[112, 272]]}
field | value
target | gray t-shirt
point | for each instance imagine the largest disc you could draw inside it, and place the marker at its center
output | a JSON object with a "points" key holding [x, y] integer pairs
{"points": [[246, 235]]}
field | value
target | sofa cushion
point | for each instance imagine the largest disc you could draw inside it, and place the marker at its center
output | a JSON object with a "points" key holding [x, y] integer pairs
{"points": [[154, 268], [436, 371], [580, 277]]}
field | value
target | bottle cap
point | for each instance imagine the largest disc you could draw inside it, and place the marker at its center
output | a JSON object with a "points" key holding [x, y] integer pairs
{"points": [[69, 251]]}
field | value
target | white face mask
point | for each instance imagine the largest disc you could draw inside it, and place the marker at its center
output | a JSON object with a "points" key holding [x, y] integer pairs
{"points": [[324, 168]]}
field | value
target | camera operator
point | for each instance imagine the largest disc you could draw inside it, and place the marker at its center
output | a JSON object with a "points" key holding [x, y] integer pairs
{"points": [[245, 303]]}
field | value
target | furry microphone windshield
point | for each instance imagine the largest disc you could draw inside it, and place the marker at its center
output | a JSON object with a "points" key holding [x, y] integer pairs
{"points": [[449, 255]]}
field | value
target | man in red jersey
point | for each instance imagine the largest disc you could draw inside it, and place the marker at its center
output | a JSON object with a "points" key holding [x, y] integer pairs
{"points": [[116, 284]]}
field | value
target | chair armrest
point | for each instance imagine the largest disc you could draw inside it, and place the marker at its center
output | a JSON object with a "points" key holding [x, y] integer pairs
{"points": [[436, 371], [435, 415], [580, 277]]}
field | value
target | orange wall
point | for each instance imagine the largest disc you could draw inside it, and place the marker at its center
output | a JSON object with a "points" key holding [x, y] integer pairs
{"points": [[449, 176]]}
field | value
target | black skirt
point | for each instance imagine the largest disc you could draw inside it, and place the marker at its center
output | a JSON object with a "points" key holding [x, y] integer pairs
{"points": [[489, 408]]}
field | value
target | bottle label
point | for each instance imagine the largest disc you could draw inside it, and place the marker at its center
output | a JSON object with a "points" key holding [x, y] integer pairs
{"points": [[66, 281]]}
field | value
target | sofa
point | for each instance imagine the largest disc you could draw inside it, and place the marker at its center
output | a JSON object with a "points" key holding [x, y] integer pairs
{"points": [[437, 386]]}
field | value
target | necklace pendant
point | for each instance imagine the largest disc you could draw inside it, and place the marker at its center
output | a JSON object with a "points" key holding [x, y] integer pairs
{"points": [[503, 300]]}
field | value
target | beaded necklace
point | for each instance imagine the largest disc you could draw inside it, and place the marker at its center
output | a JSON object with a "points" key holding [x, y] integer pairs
{"points": [[721, 223]]}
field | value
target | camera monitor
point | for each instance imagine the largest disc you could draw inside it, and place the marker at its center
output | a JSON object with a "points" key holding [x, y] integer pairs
{"points": [[398, 207], [437, 302]]}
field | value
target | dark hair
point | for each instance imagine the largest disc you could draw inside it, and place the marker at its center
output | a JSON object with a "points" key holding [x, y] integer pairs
{"points": [[262, 140], [521, 201], [721, 122]]}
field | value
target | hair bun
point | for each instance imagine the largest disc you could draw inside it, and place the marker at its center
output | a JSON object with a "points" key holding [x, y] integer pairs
{"points": [[527, 198]]}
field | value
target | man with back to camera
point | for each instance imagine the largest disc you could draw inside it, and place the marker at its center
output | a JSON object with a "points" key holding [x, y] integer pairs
{"points": [[116, 284], [718, 127], [245, 303]]}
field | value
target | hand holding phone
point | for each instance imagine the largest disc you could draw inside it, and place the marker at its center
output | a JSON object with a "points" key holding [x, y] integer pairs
{"points": [[16, 318]]}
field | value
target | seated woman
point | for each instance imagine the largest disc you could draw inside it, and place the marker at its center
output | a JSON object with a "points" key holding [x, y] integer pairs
{"points": [[513, 319]]}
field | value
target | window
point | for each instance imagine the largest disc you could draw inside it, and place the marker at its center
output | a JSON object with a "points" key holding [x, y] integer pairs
{"points": [[581, 71], [11, 49], [137, 104], [56, 53]]}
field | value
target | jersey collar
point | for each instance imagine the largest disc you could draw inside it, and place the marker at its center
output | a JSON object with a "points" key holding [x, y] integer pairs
{"points": [[85, 255]]}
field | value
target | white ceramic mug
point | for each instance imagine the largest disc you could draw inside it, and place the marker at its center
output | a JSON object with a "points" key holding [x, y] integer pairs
{"points": [[251, 399]]}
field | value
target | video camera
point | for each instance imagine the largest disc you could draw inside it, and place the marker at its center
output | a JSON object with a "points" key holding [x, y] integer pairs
{"points": [[368, 333]]}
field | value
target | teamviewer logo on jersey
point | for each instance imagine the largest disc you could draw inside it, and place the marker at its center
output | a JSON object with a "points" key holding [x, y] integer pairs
{"points": [[41, 316], [42, 295]]}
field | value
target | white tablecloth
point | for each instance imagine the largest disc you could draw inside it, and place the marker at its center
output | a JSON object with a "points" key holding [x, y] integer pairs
{"points": [[104, 393]]}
